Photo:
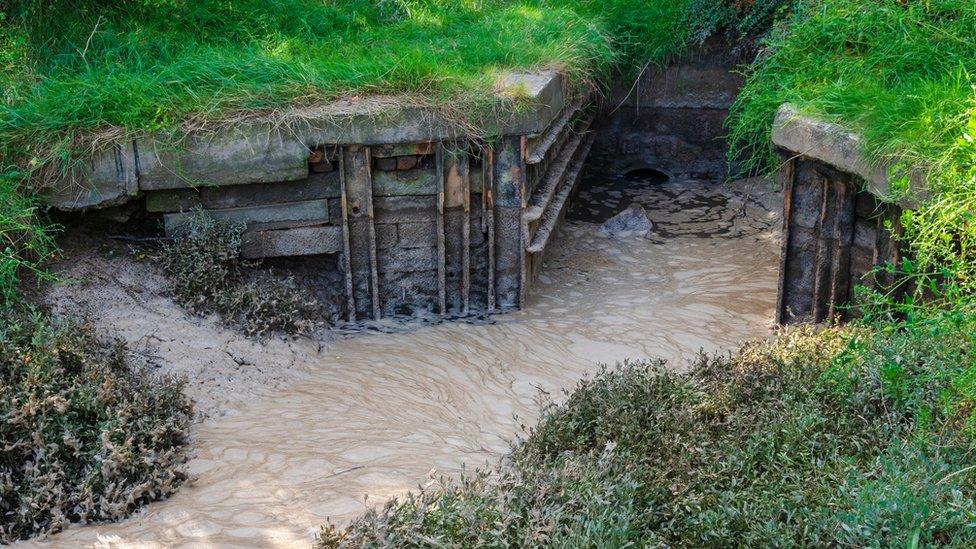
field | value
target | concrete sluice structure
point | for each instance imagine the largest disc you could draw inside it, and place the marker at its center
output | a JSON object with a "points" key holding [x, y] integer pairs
{"points": [[839, 222], [421, 217]]}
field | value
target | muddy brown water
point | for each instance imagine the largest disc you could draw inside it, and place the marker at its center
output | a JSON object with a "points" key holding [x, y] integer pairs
{"points": [[372, 416]]}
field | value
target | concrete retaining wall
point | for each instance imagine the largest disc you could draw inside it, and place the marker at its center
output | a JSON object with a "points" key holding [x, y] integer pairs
{"points": [[837, 224], [420, 217], [671, 119]]}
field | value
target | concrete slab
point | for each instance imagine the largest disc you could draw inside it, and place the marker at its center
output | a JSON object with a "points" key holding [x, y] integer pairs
{"points": [[834, 145]]}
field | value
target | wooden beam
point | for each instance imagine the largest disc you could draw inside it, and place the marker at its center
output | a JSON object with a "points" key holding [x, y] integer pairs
{"points": [[346, 248], [441, 252], [488, 218], [374, 278], [789, 182]]}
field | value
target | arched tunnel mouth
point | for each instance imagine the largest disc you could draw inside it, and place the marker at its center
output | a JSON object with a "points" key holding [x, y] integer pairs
{"points": [[648, 176]]}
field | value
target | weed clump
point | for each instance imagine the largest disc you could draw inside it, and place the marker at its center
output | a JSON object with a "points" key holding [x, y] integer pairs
{"points": [[84, 435], [822, 437], [208, 276]]}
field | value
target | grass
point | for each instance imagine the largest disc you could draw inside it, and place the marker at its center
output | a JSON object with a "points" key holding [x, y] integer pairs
{"points": [[902, 75], [148, 65], [822, 437]]}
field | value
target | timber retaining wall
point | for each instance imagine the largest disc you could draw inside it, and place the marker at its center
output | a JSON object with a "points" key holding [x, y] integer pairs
{"points": [[420, 216]]}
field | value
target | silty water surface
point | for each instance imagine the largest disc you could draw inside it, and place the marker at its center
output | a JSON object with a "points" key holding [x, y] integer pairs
{"points": [[379, 414]]}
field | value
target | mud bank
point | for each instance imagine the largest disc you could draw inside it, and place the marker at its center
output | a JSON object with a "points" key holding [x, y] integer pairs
{"points": [[325, 432]]}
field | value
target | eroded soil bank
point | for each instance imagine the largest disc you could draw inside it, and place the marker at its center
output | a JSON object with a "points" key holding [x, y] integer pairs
{"points": [[298, 432]]}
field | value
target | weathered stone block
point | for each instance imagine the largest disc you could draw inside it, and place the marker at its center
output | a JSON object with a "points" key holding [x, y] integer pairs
{"points": [[257, 152], [107, 179], [407, 260], [418, 235], [405, 209], [297, 241]]}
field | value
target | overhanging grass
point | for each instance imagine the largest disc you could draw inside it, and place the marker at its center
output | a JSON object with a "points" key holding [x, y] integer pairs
{"points": [[147, 65], [902, 75]]}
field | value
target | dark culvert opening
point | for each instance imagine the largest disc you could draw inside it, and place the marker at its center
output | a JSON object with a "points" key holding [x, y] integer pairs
{"points": [[648, 176]]}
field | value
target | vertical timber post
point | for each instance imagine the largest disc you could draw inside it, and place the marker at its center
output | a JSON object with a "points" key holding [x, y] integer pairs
{"points": [[488, 218], [509, 190], [358, 214], [822, 256], [789, 181], [373, 267], [466, 237], [843, 234], [457, 205], [441, 252], [346, 257]]}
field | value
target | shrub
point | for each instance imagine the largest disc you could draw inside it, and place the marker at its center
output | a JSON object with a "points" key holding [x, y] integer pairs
{"points": [[209, 277], [806, 440], [84, 435]]}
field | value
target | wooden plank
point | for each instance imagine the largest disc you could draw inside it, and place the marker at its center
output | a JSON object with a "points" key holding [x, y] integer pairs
{"points": [[315, 187], [373, 268], [309, 210], [347, 256], [541, 146], [557, 206], [822, 257], [488, 218], [781, 288], [291, 242], [441, 252]]}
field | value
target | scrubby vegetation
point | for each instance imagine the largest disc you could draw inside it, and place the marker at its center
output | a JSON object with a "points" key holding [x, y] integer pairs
{"points": [[84, 435], [208, 276], [822, 437]]}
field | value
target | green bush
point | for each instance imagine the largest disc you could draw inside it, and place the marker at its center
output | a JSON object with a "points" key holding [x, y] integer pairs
{"points": [[823, 437], [84, 435], [208, 276]]}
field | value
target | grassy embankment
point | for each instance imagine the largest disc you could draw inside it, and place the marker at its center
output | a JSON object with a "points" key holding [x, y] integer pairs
{"points": [[861, 436]]}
